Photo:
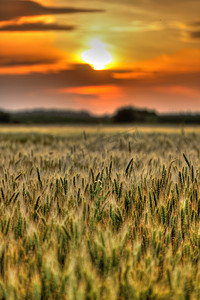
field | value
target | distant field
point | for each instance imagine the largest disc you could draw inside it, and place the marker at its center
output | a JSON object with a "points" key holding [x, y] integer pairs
{"points": [[99, 212], [68, 129]]}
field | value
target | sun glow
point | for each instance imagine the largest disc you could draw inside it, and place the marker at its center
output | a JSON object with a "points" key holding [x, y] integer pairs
{"points": [[97, 56]]}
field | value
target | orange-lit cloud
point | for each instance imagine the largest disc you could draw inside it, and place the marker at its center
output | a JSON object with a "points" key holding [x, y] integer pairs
{"points": [[34, 19], [185, 60], [179, 90], [95, 96], [108, 90], [25, 53]]}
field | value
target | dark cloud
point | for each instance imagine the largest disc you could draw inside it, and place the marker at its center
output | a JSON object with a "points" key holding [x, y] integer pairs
{"points": [[22, 61], [36, 27], [12, 9], [78, 75], [28, 59], [194, 34], [40, 89]]}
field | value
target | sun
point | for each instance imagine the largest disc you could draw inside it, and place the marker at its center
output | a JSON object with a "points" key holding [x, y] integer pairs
{"points": [[97, 56]]}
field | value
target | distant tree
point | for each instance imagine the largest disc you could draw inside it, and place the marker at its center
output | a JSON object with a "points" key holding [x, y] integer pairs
{"points": [[130, 114], [4, 117], [125, 115]]}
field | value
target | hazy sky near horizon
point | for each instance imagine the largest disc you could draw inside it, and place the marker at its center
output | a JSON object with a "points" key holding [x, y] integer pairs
{"points": [[154, 45]]}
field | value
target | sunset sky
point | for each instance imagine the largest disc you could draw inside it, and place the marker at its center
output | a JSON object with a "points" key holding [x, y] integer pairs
{"points": [[154, 46]]}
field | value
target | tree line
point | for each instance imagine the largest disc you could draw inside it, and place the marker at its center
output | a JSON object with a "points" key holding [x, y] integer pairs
{"points": [[128, 114]]}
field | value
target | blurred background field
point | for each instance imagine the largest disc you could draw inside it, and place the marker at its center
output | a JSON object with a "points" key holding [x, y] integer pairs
{"points": [[79, 128]]}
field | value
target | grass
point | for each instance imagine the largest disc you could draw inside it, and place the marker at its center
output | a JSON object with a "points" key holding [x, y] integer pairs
{"points": [[107, 213]]}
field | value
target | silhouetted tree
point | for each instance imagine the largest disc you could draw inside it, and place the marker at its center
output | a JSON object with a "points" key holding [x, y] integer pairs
{"points": [[130, 114], [125, 115], [4, 117]]}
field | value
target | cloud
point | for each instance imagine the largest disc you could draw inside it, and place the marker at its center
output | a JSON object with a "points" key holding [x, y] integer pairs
{"points": [[156, 10], [12, 9], [35, 89], [182, 65], [84, 76], [139, 26], [36, 27], [82, 87], [190, 30], [78, 75], [10, 61], [194, 24], [194, 34]]}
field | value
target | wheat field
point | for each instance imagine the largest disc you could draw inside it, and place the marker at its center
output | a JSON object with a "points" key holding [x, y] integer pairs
{"points": [[99, 213]]}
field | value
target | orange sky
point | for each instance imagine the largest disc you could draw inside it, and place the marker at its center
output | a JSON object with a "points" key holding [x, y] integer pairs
{"points": [[155, 49]]}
